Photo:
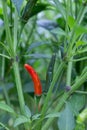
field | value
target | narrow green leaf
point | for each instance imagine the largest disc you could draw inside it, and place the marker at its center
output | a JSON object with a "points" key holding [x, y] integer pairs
{"points": [[27, 112], [7, 108], [37, 56], [36, 116], [20, 120], [59, 31], [52, 115], [3, 126]]}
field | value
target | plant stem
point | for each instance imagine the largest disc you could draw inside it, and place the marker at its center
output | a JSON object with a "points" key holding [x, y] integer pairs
{"points": [[69, 71], [3, 85], [56, 76], [13, 54], [58, 107], [8, 33], [73, 34], [15, 30], [44, 109], [19, 86], [80, 81], [81, 92]]}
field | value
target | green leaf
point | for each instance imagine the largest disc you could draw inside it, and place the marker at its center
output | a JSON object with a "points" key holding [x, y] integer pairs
{"points": [[80, 43], [3, 126], [36, 116], [60, 8], [37, 44], [77, 103], [37, 56], [52, 115], [71, 22], [27, 112], [66, 120], [20, 120], [80, 30], [18, 4], [58, 31], [38, 8], [7, 108], [82, 116], [80, 126]]}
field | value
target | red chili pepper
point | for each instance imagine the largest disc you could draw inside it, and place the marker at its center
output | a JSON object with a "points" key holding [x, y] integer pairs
{"points": [[35, 78]]}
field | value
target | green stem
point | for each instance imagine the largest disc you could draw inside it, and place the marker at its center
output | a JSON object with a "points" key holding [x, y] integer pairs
{"points": [[4, 89], [80, 59], [5, 56], [5, 128], [58, 107], [80, 81], [19, 86], [11, 12], [81, 92], [8, 33], [15, 30], [56, 76], [69, 71], [73, 34], [44, 109]]}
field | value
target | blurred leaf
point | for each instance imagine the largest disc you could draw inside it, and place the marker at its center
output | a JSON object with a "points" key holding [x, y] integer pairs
{"points": [[27, 112], [66, 120], [82, 116], [1, 12], [7, 108], [8, 86], [47, 24], [38, 55], [71, 21], [37, 44], [18, 4], [38, 8], [77, 103], [3, 126], [80, 30], [20, 120], [58, 31], [61, 22], [60, 8], [36, 116], [80, 43], [32, 9], [80, 126], [52, 115]]}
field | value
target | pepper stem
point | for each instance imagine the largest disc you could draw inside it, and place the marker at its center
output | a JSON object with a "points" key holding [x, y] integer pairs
{"points": [[19, 86]]}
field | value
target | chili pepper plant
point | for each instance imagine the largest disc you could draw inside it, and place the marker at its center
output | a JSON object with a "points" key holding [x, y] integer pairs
{"points": [[48, 40]]}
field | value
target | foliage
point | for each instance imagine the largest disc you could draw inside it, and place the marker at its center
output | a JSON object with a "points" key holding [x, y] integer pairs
{"points": [[51, 36]]}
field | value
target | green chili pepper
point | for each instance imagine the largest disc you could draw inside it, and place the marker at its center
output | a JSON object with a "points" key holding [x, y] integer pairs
{"points": [[28, 10]]}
